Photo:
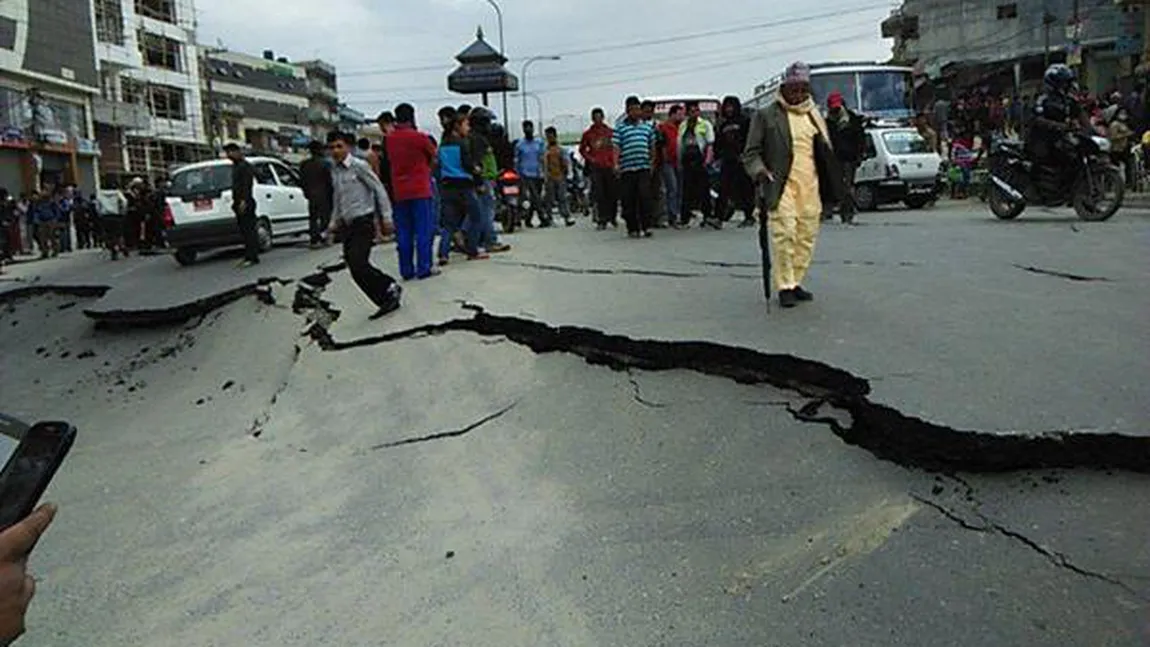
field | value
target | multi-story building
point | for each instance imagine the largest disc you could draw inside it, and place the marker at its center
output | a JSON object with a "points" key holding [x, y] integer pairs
{"points": [[271, 104], [149, 115], [323, 98], [1102, 38], [47, 78]]}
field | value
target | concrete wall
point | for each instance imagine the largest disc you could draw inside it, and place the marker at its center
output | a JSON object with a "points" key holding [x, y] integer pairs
{"points": [[956, 30]]}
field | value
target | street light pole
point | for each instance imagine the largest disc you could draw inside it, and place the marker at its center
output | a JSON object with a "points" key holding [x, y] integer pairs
{"points": [[523, 77], [538, 105], [502, 51]]}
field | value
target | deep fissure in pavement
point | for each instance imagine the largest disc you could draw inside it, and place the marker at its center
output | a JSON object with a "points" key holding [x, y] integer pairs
{"points": [[880, 429]]}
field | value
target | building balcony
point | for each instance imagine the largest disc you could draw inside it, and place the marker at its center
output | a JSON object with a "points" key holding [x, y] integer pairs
{"points": [[120, 114], [317, 88], [230, 109], [317, 116]]}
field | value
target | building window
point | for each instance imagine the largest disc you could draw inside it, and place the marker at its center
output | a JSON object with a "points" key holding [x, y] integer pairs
{"points": [[132, 91], [1007, 11], [233, 127], [159, 51], [164, 10], [167, 102], [109, 22]]}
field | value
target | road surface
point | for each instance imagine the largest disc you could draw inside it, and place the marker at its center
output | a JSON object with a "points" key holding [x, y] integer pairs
{"points": [[600, 441]]}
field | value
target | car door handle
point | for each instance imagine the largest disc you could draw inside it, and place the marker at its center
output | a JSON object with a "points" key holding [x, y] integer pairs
{"points": [[269, 196]]}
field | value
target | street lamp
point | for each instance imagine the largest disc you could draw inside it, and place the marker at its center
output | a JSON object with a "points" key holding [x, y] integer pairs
{"points": [[523, 77], [538, 104], [502, 51]]}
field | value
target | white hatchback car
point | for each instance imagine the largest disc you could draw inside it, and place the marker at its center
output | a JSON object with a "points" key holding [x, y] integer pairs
{"points": [[898, 166], [200, 213]]}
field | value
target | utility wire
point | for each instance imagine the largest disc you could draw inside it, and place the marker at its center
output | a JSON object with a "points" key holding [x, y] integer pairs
{"points": [[616, 46]]}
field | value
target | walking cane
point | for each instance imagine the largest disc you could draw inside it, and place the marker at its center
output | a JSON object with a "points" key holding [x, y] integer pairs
{"points": [[765, 250]]}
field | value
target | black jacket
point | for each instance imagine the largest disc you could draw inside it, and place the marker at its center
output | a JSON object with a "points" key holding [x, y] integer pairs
{"points": [[848, 136], [243, 182], [316, 179], [731, 138]]}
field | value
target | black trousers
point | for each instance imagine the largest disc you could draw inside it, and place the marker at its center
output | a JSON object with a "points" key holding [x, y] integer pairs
{"points": [[735, 192], [246, 219], [696, 190], [604, 193], [318, 218], [638, 205], [358, 239]]}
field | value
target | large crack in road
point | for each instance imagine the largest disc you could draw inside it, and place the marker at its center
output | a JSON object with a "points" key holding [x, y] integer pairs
{"points": [[880, 429]]}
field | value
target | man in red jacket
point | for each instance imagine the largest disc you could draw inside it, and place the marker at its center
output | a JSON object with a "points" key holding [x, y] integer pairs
{"points": [[411, 155], [598, 151]]}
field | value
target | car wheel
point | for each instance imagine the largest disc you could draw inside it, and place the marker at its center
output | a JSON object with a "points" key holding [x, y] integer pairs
{"points": [[866, 198], [264, 233], [918, 201], [186, 256]]}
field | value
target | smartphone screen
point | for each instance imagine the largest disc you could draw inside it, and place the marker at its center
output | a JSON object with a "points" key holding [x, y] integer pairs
{"points": [[31, 465]]}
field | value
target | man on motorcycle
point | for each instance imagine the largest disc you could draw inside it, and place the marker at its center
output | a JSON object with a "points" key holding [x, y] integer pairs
{"points": [[1056, 112]]}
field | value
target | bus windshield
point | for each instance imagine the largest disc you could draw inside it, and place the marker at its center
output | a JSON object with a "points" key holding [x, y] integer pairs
{"points": [[886, 94], [822, 85]]}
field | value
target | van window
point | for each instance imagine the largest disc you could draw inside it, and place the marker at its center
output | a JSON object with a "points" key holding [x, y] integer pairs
{"points": [[216, 178], [905, 142], [263, 172]]}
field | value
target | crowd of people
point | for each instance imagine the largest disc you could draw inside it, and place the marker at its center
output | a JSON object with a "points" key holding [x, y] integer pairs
{"points": [[61, 219]]}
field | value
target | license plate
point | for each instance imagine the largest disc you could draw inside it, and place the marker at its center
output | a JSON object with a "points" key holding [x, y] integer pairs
{"points": [[510, 190], [921, 189], [203, 205]]}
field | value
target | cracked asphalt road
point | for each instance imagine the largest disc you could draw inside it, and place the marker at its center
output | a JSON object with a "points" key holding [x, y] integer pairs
{"points": [[249, 474]]}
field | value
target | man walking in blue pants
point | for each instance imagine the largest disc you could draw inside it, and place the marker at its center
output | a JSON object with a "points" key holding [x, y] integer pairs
{"points": [[412, 154]]}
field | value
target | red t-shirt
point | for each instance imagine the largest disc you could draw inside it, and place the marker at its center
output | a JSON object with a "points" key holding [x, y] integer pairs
{"points": [[671, 147], [597, 146], [410, 154]]}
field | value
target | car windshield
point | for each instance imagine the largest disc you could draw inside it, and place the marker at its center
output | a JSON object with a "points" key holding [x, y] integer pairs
{"points": [[905, 142], [198, 181]]}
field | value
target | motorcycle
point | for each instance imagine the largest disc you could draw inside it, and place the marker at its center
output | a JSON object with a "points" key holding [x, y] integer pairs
{"points": [[510, 207], [1092, 185], [577, 193]]}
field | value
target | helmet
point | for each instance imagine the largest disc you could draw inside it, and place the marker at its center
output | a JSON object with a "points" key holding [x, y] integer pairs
{"points": [[1059, 78]]}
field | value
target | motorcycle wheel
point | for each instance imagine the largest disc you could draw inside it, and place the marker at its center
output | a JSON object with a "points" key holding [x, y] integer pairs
{"points": [[1088, 195], [1002, 206]]}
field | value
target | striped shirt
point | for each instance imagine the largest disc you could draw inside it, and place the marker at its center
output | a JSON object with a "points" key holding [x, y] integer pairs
{"points": [[634, 141]]}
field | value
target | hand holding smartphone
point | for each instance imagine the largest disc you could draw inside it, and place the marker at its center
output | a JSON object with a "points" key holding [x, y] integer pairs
{"points": [[30, 466]]}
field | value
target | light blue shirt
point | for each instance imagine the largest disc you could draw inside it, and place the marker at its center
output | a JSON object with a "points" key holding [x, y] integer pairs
{"points": [[529, 157]]}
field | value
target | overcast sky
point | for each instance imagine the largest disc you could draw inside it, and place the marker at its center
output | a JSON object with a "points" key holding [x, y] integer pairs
{"points": [[376, 43]]}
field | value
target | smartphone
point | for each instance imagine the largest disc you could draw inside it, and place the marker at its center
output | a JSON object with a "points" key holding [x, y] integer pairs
{"points": [[30, 467]]}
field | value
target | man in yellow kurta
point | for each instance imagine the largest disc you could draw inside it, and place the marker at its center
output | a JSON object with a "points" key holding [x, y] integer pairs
{"points": [[783, 155]]}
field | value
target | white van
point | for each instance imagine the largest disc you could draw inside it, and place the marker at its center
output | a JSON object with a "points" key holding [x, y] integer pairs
{"points": [[898, 166], [200, 213]]}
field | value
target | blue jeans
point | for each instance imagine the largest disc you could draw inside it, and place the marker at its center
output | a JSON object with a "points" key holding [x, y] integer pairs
{"points": [[672, 185], [414, 237], [481, 229], [458, 211]]}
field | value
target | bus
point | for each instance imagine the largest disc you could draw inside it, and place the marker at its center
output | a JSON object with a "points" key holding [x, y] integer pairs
{"points": [[882, 92], [708, 104]]}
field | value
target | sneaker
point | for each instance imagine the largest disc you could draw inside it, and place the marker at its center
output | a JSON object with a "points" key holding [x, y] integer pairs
{"points": [[434, 272], [444, 261], [787, 298], [499, 247], [570, 222], [244, 264], [647, 233], [803, 295]]}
